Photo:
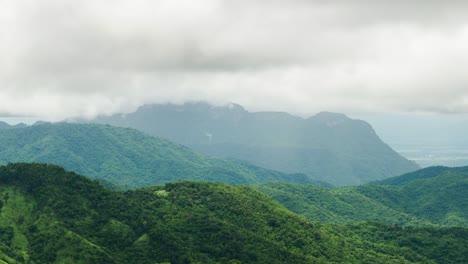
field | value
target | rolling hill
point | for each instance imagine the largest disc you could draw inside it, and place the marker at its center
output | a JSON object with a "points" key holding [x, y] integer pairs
{"points": [[431, 196], [49, 215], [328, 146], [125, 156]]}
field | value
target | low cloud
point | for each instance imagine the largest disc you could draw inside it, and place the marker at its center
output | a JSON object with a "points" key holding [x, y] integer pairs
{"points": [[82, 58]]}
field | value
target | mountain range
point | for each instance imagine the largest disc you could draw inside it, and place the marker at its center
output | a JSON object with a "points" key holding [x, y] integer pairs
{"points": [[328, 146]]}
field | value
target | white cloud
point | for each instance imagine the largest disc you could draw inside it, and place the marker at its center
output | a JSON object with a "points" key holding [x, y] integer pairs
{"points": [[82, 58]]}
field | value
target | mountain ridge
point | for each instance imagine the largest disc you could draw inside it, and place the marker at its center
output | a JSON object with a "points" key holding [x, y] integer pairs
{"points": [[125, 156], [424, 173], [430, 196], [328, 146]]}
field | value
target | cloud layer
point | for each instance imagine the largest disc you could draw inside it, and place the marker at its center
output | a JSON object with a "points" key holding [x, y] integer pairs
{"points": [[82, 58]]}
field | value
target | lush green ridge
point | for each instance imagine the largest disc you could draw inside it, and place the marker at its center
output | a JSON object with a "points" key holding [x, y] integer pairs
{"points": [[432, 196], [125, 156], [49, 215], [327, 146], [425, 173], [338, 206]]}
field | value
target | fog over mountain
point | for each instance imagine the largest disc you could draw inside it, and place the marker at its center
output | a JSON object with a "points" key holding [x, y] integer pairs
{"points": [[367, 59], [65, 59]]}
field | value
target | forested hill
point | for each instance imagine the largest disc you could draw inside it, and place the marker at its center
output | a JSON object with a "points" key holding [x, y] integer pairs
{"points": [[421, 174], [125, 156], [329, 146], [431, 196], [49, 215]]}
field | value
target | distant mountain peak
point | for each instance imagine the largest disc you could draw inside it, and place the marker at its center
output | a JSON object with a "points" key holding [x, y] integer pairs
{"points": [[330, 119], [196, 106], [231, 107], [330, 116]]}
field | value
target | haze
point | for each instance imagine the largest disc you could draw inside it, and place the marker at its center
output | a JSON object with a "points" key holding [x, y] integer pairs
{"points": [[65, 59]]}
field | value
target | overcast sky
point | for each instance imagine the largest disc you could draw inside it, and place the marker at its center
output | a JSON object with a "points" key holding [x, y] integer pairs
{"points": [[62, 58]]}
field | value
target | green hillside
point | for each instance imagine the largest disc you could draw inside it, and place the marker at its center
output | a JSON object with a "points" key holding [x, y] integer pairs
{"points": [[434, 196], [49, 215], [328, 146], [125, 156], [340, 206], [425, 173], [440, 199]]}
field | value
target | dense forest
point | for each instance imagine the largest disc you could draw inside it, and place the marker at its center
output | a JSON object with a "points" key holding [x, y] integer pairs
{"points": [[430, 196], [49, 215]]}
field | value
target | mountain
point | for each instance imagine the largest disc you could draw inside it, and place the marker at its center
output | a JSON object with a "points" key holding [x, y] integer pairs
{"points": [[431, 196], [4, 125], [49, 215], [327, 146], [125, 156]]}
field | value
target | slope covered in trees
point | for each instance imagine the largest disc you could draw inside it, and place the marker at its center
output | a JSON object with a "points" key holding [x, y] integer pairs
{"points": [[426, 173], [125, 156], [328, 146], [49, 215], [431, 196]]}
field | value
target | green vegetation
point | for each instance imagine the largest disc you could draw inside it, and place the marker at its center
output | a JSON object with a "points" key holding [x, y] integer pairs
{"points": [[125, 156], [339, 206], [431, 196], [425, 173], [330, 147], [49, 215]]}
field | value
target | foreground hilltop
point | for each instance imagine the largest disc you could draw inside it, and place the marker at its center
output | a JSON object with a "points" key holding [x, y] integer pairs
{"points": [[327, 146], [49, 215], [125, 156]]}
